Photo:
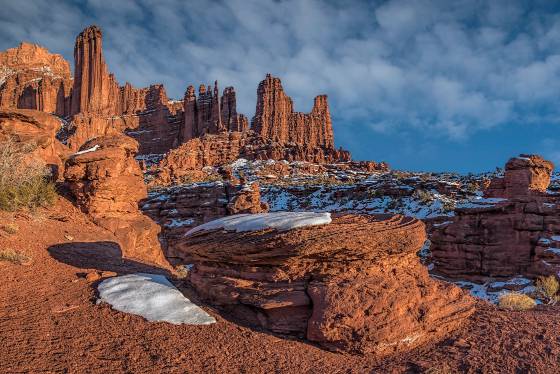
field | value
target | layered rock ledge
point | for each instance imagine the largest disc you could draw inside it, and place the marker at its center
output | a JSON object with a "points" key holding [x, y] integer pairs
{"points": [[516, 234], [355, 284], [107, 183]]}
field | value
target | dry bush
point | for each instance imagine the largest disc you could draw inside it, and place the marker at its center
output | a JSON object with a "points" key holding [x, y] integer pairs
{"points": [[423, 196], [547, 288], [14, 257], [23, 183], [182, 272], [516, 301], [10, 228]]}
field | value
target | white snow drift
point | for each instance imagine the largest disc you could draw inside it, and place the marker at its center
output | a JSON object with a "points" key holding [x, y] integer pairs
{"points": [[253, 222], [153, 297]]}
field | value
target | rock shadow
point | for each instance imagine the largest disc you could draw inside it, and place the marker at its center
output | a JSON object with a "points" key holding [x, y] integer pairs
{"points": [[101, 256]]}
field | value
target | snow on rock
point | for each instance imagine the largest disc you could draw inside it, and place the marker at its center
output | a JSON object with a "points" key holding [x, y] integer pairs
{"points": [[92, 149], [253, 222], [153, 297]]}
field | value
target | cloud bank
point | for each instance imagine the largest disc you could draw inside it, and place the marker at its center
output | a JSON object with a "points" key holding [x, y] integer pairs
{"points": [[424, 71]]}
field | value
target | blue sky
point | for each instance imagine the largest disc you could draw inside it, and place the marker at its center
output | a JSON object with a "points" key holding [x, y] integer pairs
{"points": [[423, 85]]}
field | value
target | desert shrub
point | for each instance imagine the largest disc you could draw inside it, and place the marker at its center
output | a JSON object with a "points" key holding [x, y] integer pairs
{"points": [[547, 288], [23, 183], [516, 301], [448, 205], [10, 228], [14, 257], [424, 196], [181, 272]]}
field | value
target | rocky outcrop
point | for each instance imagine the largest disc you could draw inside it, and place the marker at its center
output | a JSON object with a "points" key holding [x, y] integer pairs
{"points": [[180, 208], [36, 130], [100, 107], [275, 118], [524, 175], [353, 285], [517, 235], [33, 78], [107, 184], [216, 150], [210, 113]]}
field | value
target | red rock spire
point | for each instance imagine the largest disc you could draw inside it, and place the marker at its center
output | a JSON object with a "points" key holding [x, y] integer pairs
{"points": [[275, 118], [95, 90]]}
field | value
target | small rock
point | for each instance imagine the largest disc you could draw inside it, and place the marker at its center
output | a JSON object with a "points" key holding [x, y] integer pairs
{"points": [[93, 276]]}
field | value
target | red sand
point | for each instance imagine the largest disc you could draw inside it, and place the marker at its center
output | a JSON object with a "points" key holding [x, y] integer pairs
{"points": [[49, 322]]}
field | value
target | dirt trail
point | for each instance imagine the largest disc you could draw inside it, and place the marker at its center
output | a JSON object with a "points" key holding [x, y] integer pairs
{"points": [[49, 322]]}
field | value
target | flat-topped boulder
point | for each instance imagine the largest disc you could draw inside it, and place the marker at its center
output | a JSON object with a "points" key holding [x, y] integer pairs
{"points": [[351, 283], [524, 175]]}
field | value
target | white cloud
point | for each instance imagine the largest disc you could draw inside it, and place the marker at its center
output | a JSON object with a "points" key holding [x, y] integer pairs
{"points": [[445, 68]]}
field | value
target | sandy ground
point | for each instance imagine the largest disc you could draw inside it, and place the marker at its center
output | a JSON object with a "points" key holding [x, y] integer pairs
{"points": [[50, 322]]}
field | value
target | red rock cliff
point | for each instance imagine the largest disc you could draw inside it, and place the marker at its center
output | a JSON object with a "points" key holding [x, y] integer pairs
{"points": [[33, 78], [275, 117], [210, 114]]}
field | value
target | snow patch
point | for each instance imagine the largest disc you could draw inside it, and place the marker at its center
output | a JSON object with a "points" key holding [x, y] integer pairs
{"points": [[179, 222], [92, 149], [153, 297], [556, 251], [253, 222]]}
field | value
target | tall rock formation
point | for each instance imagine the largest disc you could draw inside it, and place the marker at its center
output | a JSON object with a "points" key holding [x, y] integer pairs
{"points": [[275, 118], [95, 90], [33, 78], [101, 107], [210, 114]]}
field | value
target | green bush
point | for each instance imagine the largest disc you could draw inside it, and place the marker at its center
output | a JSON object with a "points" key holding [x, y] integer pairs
{"points": [[24, 182]]}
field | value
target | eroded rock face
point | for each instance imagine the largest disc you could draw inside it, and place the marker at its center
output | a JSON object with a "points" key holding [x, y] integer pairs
{"points": [[276, 120], [210, 113], [353, 285], [220, 149], [513, 236], [38, 129], [107, 184], [33, 78], [100, 107], [524, 175], [180, 208]]}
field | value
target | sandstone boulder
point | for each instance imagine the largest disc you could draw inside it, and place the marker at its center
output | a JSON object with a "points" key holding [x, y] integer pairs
{"points": [[108, 184], [38, 129], [506, 237], [524, 175], [355, 284]]}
